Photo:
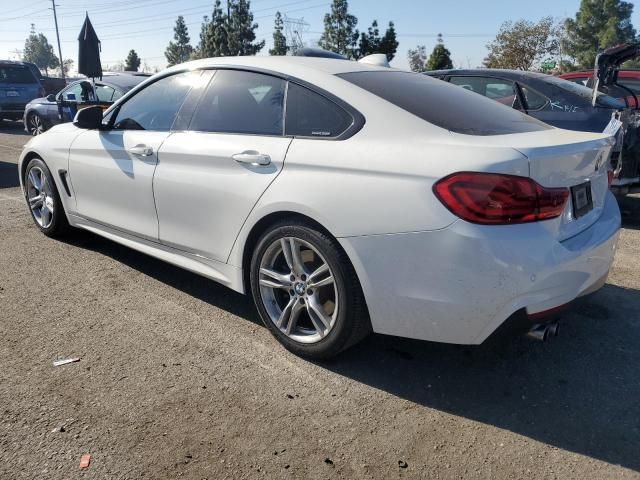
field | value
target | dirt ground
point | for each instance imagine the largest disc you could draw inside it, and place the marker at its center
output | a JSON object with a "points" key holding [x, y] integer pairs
{"points": [[178, 378]]}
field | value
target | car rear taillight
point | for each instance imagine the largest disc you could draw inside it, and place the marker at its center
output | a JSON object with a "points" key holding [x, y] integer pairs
{"points": [[42, 92], [610, 175], [497, 199]]}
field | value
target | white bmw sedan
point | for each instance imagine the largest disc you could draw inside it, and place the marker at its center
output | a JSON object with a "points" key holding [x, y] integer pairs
{"points": [[344, 198]]}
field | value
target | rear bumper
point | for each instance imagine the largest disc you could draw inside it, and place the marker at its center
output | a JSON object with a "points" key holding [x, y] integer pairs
{"points": [[459, 284]]}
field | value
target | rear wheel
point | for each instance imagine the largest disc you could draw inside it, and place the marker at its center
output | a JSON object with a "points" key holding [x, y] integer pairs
{"points": [[35, 124], [43, 199], [307, 292]]}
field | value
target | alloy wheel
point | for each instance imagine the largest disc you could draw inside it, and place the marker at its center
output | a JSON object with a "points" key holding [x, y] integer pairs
{"points": [[36, 127], [40, 197], [298, 290]]}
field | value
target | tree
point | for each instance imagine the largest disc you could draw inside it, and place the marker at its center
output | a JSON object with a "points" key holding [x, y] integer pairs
{"points": [[340, 34], [371, 42], [389, 43], [180, 51], [599, 24], [241, 30], [418, 59], [66, 66], [440, 57], [279, 40], [522, 44], [38, 50], [132, 62], [216, 34]]}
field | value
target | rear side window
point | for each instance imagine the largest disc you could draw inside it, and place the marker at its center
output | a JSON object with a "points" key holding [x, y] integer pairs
{"points": [[447, 106], [309, 114], [16, 74], [631, 83], [241, 102]]}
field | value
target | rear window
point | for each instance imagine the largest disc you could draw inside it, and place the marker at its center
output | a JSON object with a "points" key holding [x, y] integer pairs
{"points": [[16, 74], [445, 105]]}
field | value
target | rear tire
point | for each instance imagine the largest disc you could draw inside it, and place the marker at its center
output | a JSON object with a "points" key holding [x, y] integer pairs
{"points": [[43, 200], [313, 306]]}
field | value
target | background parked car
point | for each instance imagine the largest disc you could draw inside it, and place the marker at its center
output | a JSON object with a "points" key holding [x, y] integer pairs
{"points": [[42, 113], [558, 102], [18, 86], [627, 78], [50, 84]]}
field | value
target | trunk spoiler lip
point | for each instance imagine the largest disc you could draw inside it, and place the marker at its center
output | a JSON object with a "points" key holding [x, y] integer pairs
{"points": [[608, 64]]}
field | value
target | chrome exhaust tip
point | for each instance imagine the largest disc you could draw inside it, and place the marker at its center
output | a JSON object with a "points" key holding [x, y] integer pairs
{"points": [[542, 333], [539, 333]]}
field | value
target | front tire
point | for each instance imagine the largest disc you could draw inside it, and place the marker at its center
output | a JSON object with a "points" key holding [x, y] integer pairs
{"points": [[35, 124], [307, 292], [43, 199]]}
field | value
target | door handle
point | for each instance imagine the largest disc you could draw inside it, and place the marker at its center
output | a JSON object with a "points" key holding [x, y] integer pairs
{"points": [[141, 150], [252, 157]]}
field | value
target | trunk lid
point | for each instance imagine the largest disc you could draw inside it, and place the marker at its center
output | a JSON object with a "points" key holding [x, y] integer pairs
{"points": [[568, 159]]}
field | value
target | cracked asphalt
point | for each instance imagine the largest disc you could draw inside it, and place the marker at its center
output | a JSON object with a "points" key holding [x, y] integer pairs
{"points": [[178, 378]]}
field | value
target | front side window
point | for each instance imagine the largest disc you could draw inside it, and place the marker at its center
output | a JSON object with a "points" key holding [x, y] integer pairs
{"points": [[447, 106], [241, 102], [534, 100], [309, 114], [105, 93], [72, 94], [156, 107]]}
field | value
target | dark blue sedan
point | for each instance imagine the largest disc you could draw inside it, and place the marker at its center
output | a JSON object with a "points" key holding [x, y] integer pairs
{"points": [[43, 113]]}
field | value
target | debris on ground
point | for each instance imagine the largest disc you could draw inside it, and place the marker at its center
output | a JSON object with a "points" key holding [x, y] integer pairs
{"points": [[402, 464], [66, 361], [85, 460]]}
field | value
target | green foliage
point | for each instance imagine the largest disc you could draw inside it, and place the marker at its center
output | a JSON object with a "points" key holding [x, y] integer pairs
{"points": [[389, 43], [340, 34], [214, 38], [38, 50], [522, 44], [241, 30], [279, 40], [180, 51], [418, 59], [440, 58], [132, 62], [599, 24]]}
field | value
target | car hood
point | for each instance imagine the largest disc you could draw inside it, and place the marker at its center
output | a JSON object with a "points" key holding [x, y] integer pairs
{"points": [[40, 101]]}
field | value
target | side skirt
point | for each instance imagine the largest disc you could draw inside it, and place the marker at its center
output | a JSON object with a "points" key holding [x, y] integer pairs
{"points": [[222, 273]]}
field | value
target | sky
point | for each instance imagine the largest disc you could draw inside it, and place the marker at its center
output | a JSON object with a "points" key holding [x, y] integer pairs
{"points": [[147, 25]]}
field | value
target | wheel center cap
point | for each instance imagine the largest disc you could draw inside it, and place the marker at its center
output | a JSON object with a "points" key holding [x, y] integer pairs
{"points": [[299, 288]]}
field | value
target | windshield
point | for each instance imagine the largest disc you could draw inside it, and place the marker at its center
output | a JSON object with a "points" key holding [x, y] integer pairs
{"points": [[445, 105], [16, 74]]}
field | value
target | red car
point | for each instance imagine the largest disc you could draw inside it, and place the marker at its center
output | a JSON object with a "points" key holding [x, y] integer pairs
{"points": [[627, 78]]}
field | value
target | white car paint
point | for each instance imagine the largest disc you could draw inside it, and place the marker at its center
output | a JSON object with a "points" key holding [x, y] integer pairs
{"points": [[425, 273]]}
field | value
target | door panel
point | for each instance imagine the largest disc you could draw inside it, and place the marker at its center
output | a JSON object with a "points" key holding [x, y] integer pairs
{"points": [[112, 185], [203, 195]]}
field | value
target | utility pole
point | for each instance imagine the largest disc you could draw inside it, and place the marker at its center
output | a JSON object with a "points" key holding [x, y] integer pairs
{"points": [[55, 19]]}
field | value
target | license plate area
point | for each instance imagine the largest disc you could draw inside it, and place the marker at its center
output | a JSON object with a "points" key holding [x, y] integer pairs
{"points": [[12, 93], [581, 199]]}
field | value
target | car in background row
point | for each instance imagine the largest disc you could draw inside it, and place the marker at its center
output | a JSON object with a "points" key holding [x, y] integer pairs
{"points": [[630, 79], [42, 113], [18, 86], [557, 102], [49, 84]]}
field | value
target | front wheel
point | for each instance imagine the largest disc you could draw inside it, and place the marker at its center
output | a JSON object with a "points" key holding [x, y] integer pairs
{"points": [[43, 199], [35, 124], [307, 292]]}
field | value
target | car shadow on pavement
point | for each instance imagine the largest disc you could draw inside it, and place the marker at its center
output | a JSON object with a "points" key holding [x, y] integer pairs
{"points": [[630, 209], [580, 392], [9, 175], [12, 127]]}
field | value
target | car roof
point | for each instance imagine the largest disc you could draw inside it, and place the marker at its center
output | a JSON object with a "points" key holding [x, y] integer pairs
{"points": [[501, 72], [287, 65], [13, 62]]}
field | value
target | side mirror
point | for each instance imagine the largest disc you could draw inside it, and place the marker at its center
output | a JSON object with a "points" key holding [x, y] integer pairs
{"points": [[89, 118], [51, 97]]}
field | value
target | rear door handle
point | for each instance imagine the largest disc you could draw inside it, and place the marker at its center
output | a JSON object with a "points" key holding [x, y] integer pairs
{"points": [[252, 157], [141, 150]]}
